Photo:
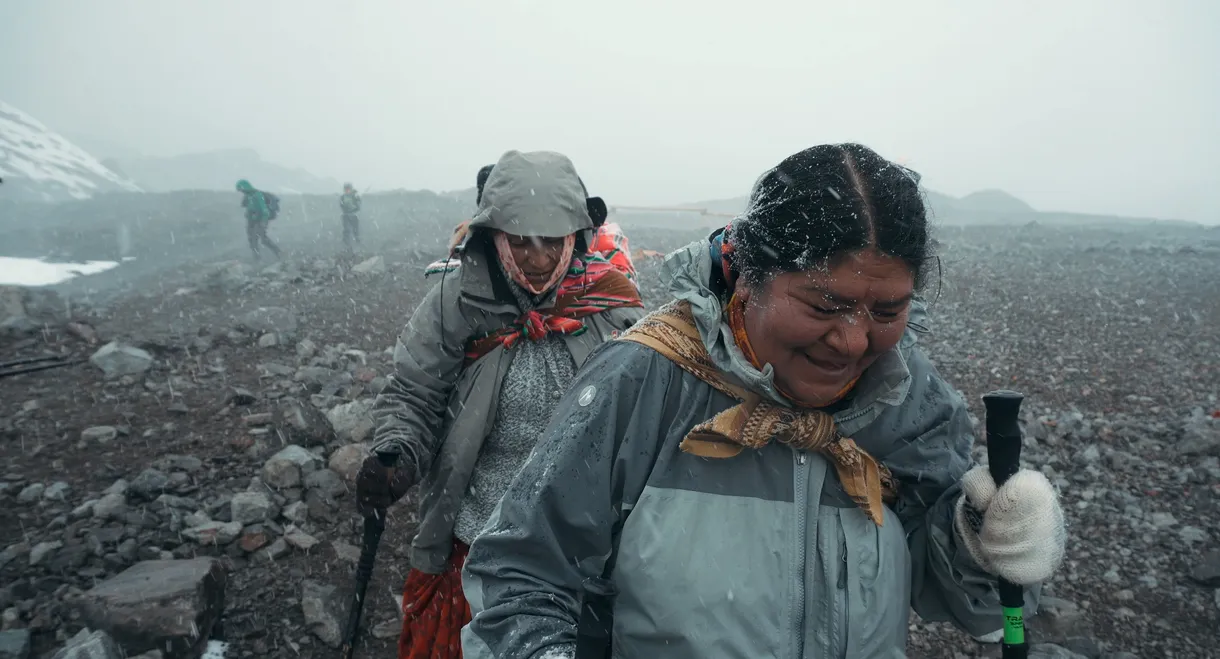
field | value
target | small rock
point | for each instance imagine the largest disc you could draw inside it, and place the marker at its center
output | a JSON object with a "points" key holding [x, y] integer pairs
{"points": [[242, 396], [371, 266], [269, 340], [42, 550], [285, 469], [1192, 534], [15, 644], [1207, 571], [90, 645], [57, 491], [300, 539], [346, 461], [252, 541], [1163, 520], [149, 485], [327, 482], [111, 506], [306, 349], [353, 422], [214, 533], [323, 611], [1052, 651], [387, 629], [167, 605], [346, 552], [116, 360], [276, 549], [303, 423], [100, 434], [171, 462], [297, 512], [31, 493], [270, 319], [252, 508]]}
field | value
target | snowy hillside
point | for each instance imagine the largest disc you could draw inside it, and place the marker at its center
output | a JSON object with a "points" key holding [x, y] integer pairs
{"points": [[39, 164]]}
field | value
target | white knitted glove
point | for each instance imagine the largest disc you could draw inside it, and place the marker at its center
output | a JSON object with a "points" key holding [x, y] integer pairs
{"points": [[1016, 533]]}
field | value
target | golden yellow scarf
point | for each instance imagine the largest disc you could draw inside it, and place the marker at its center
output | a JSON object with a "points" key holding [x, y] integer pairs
{"points": [[754, 422]]}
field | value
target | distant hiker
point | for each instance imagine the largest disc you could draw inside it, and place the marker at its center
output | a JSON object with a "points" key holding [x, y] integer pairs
{"points": [[768, 466], [349, 205], [609, 242], [478, 369], [261, 207]]}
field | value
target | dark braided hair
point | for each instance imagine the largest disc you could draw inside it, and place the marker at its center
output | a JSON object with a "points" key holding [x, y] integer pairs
{"points": [[825, 202]]}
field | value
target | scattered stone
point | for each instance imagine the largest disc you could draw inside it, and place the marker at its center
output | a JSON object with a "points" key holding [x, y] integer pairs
{"points": [[1207, 571], [258, 419], [252, 541], [323, 612], [353, 422], [214, 533], [303, 423], [300, 539], [1200, 437], [327, 482], [346, 461], [370, 266], [116, 360], [297, 512], [346, 552], [270, 319], [100, 434], [1052, 651], [306, 349], [277, 549], [159, 605], [90, 645], [111, 506], [57, 491], [15, 644], [1192, 534], [242, 396], [178, 463], [269, 340], [285, 469], [149, 485], [252, 508], [41, 550], [31, 493]]}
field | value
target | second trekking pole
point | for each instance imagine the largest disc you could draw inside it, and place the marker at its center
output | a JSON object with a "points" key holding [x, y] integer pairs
{"points": [[374, 526]]}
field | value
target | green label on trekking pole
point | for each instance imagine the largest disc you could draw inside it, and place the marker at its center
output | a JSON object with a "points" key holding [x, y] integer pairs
{"points": [[1014, 625]]}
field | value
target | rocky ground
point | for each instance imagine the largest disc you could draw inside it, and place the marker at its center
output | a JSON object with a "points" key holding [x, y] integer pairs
{"points": [[212, 445]]}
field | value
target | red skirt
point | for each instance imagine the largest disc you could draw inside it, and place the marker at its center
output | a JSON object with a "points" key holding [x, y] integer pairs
{"points": [[434, 611]]}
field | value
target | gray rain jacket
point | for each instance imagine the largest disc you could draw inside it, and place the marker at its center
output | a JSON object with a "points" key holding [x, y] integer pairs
{"points": [[435, 412], [760, 555]]}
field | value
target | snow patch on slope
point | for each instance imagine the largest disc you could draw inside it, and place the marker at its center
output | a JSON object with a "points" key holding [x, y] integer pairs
{"points": [[44, 165]]}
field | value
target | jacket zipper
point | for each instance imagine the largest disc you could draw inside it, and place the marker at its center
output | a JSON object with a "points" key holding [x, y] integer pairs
{"points": [[801, 500], [837, 610]]}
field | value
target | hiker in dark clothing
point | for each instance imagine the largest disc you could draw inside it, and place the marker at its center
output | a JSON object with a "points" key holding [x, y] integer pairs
{"points": [[349, 205], [258, 214]]}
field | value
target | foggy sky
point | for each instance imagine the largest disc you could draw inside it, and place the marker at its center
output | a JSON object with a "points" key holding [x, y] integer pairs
{"points": [[1104, 106]]}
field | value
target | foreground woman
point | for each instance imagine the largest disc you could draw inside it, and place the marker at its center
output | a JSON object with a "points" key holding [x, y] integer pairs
{"points": [[479, 369], [769, 466]]}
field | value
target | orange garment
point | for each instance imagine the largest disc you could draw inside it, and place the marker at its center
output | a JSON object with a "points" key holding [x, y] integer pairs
{"points": [[434, 611]]}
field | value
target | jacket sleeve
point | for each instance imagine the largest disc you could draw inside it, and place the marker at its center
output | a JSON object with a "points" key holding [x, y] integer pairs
{"points": [[555, 526], [410, 411], [947, 585]]}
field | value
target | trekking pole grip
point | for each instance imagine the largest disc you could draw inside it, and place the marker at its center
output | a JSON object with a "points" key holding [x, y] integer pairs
{"points": [[374, 526], [1003, 409]]}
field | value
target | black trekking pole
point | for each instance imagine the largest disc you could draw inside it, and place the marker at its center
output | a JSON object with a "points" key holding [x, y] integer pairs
{"points": [[373, 528], [1003, 460]]}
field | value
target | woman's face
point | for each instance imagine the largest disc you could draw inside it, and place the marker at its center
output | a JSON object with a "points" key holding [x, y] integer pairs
{"points": [[536, 257], [820, 330]]}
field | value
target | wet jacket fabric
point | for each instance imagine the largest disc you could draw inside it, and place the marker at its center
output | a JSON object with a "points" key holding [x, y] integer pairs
{"points": [[760, 555], [437, 410], [256, 206], [349, 203]]}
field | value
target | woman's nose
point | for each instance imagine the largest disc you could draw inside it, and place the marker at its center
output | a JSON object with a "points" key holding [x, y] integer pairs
{"points": [[850, 336]]}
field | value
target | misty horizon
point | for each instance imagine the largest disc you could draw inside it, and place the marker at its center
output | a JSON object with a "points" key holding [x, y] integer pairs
{"points": [[1100, 108]]}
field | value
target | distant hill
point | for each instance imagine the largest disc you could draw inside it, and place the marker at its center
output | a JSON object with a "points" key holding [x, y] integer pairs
{"points": [[220, 170], [985, 207], [38, 164]]}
